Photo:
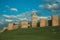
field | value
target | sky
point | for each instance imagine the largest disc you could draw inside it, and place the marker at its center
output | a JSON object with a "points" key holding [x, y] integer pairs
{"points": [[15, 10], [15, 7]]}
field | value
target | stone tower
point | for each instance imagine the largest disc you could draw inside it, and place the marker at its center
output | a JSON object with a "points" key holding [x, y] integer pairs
{"points": [[24, 24], [10, 26], [43, 22], [34, 20], [55, 20]]}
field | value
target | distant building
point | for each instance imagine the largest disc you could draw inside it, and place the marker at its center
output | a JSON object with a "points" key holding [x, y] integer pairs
{"points": [[55, 20], [43, 22], [34, 20], [24, 24], [10, 26], [16, 26]]}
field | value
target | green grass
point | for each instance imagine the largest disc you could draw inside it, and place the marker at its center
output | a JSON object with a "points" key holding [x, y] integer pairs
{"points": [[46, 33]]}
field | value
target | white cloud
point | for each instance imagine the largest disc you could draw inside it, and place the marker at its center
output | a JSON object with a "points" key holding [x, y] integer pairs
{"points": [[24, 19], [9, 16], [44, 17], [53, 7], [42, 6], [25, 14], [56, 6], [12, 16], [13, 9], [49, 6], [6, 16], [58, 1], [33, 10], [8, 20]]}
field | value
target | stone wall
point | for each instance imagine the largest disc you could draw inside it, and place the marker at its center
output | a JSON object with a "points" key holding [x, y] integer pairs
{"points": [[43, 22], [4, 29], [24, 24], [10, 26], [55, 20], [16, 26]]}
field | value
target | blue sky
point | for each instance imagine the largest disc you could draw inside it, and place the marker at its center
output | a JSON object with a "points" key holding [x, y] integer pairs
{"points": [[20, 5]]}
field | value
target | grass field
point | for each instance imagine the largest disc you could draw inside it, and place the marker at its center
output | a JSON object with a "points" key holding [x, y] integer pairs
{"points": [[46, 33]]}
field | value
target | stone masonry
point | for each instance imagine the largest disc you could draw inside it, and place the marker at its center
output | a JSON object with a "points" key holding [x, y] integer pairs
{"points": [[10, 26], [55, 20], [43, 22], [16, 26], [34, 20], [24, 24]]}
